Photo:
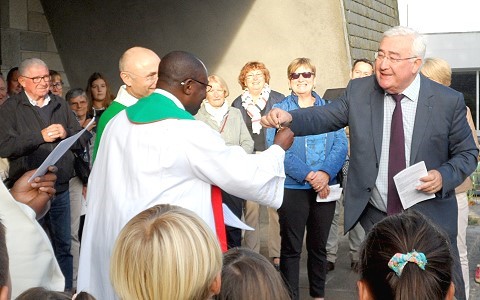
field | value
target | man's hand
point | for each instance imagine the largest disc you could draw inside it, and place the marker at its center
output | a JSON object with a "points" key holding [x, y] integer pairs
{"points": [[53, 132], [37, 193], [432, 183], [276, 118], [284, 138]]}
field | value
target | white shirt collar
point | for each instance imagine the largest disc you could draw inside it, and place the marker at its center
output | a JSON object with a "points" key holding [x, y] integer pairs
{"points": [[171, 97], [35, 103]]}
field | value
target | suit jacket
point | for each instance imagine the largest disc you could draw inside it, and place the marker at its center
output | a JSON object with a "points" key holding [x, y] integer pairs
{"points": [[441, 138]]}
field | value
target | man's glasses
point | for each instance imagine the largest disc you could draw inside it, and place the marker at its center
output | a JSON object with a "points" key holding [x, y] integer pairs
{"points": [[381, 56], [207, 86], [57, 85], [150, 78], [304, 75], [37, 79]]}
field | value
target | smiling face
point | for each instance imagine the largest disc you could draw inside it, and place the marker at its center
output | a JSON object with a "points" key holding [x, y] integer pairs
{"points": [[361, 69], [99, 89], [216, 96], [35, 90], [79, 105], [255, 81], [302, 85], [141, 72], [395, 76]]}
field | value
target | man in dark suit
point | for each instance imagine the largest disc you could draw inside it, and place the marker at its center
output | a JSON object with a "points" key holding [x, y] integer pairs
{"points": [[434, 126]]}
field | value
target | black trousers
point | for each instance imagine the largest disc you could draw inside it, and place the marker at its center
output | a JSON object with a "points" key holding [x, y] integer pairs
{"points": [[234, 235], [300, 210]]}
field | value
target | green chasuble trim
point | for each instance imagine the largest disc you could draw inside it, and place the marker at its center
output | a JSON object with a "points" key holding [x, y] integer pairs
{"points": [[155, 108]]}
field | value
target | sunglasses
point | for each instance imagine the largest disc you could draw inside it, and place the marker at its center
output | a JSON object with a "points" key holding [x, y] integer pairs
{"points": [[304, 75]]}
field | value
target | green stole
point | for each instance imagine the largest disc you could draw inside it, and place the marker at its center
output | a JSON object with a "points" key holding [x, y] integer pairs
{"points": [[157, 107]]}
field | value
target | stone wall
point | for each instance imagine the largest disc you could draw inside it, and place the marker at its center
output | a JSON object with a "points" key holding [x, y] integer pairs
{"points": [[366, 20], [25, 33]]}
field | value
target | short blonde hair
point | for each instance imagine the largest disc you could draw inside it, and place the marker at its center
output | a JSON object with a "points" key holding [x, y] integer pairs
{"points": [[221, 82], [165, 252], [297, 63], [438, 70]]}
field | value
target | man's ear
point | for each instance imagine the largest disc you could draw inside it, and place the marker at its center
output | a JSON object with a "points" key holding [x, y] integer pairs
{"points": [[187, 86], [216, 284], [451, 291], [126, 78], [363, 290], [4, 293], [21, 80]]}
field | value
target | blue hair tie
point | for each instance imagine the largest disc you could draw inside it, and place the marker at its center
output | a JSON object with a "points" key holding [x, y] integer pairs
{"points": [[399, 260]]}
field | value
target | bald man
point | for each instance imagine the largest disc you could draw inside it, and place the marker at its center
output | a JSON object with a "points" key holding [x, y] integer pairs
{"points": [[166, 156], [138, 70]]}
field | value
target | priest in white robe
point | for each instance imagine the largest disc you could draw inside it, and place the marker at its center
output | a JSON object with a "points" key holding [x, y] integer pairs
{"points": [[155, 152]]}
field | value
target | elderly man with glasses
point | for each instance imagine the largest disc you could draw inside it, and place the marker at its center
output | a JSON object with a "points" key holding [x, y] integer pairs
{"points": [[397, 118], [32, 123], [138, 71]]}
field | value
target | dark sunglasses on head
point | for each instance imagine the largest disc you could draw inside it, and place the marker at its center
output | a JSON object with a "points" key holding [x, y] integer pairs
{"points": [[304, 75]]}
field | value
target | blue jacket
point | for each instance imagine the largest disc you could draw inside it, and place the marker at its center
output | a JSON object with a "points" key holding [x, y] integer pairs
{"points": [[323, 152]]}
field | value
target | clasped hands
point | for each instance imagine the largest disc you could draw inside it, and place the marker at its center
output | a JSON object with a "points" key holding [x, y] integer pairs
{"points": [[53, 132], [319, 182]]}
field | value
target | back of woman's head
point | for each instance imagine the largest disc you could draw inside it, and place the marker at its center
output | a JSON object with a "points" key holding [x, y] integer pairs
{"points": [[37, 293], [406, 233], [165, 252], [247, 275]]}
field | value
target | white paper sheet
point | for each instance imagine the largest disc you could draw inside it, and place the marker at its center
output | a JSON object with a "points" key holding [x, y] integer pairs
{"points": [[231, 220], [406, 182], [335, 194], [58, 152]]}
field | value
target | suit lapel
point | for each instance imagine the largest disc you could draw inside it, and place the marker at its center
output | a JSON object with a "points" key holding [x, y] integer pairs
{"points": [[422, 118], [377, 104]]}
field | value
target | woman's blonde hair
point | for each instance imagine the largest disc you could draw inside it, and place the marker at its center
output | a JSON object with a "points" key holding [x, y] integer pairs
{"points": [[299, 62], [437, 70], [221, 82], [165, 252]]}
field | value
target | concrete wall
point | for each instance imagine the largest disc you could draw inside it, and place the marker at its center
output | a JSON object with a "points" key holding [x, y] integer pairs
{"points": [[224, 34], [25, 33], [90, 36]]}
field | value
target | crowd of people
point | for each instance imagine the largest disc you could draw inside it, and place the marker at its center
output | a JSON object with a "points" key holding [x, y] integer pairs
{"points": [[150, 195]]}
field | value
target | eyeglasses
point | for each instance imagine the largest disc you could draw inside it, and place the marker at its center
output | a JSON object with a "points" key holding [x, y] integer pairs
{"points": [[304, 75], [256, 75], [37, 79], [381, 56], [207, 86], [57, 85], [151, 77]]}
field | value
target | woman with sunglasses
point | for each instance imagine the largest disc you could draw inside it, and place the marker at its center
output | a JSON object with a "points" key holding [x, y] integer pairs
{"points": [[311, 165], [256, 101], [228, 121]]}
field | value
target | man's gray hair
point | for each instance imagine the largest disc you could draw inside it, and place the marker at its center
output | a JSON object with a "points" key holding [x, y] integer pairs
{"points": [[419, 45], [74, 93], [29, 62]]}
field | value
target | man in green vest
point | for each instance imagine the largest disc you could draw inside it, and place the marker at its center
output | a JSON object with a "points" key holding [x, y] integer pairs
{"points": [[138, 70]]}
